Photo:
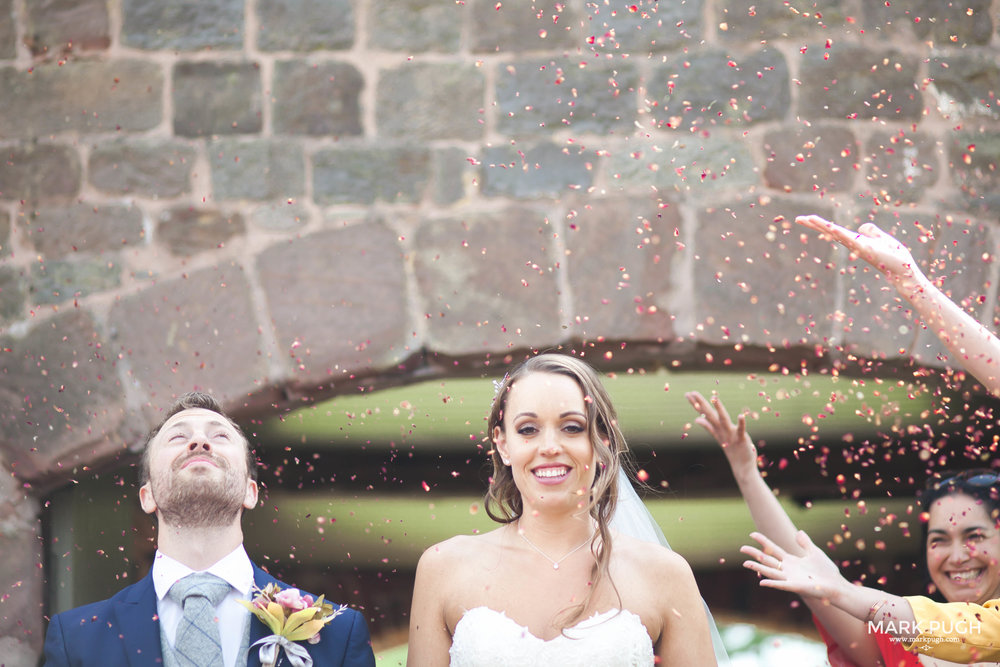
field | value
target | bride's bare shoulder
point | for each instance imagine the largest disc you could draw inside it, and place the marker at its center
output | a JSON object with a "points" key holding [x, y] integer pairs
{"points": [[633, 552], [460, 549]]}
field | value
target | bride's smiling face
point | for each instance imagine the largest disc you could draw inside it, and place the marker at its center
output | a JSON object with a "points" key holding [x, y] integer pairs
{"points": [[546, 441]]}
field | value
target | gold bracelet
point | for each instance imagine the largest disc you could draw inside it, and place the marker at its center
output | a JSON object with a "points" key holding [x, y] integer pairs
{"points": [[874, 610]]}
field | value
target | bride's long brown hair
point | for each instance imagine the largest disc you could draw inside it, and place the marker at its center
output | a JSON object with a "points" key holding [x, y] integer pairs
{"points": [[503, 501]]}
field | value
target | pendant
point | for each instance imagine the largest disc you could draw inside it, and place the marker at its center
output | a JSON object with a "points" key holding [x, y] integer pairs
{"points": [[555, 566]]}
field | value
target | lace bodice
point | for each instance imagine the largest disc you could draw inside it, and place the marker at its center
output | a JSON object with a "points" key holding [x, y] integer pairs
{"points": [[609, 639]]}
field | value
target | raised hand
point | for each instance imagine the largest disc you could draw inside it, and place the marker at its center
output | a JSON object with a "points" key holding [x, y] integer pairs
{"points": [[733, 438], [970, 343], [881, 250], [812, 574]]}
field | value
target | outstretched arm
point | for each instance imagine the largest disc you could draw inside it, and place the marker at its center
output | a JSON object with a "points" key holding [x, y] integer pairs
{"points": [[956, 631], [969, 342], [771, 519], [813, 575]]}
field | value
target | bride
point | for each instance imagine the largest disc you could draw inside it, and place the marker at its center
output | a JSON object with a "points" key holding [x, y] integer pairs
{"points": [[555, 584]]}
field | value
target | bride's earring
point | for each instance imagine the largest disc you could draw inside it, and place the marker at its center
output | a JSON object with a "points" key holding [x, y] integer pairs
{"points": [[506, 461]]}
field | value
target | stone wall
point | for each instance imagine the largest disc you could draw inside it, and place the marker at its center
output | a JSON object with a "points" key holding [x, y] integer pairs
{"points": [[279, 200]]}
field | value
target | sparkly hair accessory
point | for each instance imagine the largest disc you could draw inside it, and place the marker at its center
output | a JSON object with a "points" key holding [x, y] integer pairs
{"points": [[497, 385]]}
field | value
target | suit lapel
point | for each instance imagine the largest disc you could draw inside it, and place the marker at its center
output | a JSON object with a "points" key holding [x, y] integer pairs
{"points": [[138, 624], [257, 629]]}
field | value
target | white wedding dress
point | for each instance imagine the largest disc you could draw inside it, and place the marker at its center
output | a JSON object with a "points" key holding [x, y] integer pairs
{"points": [[484, 636]]}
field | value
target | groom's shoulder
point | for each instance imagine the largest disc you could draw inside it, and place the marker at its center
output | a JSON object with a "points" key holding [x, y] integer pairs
{"points": [[94, 617]]}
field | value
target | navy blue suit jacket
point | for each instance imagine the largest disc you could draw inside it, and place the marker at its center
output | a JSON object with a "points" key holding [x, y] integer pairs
{"points": [[124, 631]]}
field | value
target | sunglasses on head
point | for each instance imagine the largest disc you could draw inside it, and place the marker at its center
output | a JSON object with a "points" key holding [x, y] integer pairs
{"points": [[969, 477]]}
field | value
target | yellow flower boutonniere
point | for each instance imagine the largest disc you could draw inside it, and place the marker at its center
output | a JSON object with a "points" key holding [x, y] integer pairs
{"points": [[292, 617]]}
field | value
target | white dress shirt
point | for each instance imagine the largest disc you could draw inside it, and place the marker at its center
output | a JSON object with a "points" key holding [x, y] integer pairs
{"points": [[236, 569]]}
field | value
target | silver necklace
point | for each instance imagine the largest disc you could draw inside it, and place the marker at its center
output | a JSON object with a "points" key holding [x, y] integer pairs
{"points": [[555, 563]]}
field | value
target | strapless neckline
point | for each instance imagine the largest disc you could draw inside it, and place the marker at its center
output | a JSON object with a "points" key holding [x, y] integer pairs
{"points": [[485, 636], [598, 617]]}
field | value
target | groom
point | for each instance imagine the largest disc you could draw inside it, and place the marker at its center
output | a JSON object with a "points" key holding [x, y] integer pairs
{"points": [[197, 475]]}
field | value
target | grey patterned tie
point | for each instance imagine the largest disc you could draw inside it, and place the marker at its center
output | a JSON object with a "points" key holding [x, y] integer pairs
{"points": [[197, 640]]}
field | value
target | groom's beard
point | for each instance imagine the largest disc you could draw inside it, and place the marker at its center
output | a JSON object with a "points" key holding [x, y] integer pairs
{"points": [[203, 499]]}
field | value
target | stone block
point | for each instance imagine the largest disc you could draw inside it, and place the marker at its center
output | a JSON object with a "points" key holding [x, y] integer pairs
{"points": [[416, 26], [6, 250], [942, 23], [759, 279], [846, 80], [974, 160], [61, 401], [19, 653], [217, 98], [58, 231], [80, 96], [887, 18], [708, 87], [644, 27], [258, 170], [542, 170], [546, 95], [740, 20], [188, 231], [196, 332], [8, 30], [36, 172], [965, 85], [431, 101], [280, 216], [619, 259], [183, 25], [149, 168], [13, 289], [21, 605], [452, 175], [702, 163], [55, 27], [338, 300], [811, 158], [546, 25], [57, 281], [367, 175], [958, 24], [487, 282], [317, 99], [900, 167], [307, 25]]}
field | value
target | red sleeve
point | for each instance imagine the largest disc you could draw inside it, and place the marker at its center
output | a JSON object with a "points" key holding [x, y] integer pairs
{"points": [[892, 652], [833, 650]]}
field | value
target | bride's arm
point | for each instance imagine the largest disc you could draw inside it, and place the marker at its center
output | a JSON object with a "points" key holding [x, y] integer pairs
{"points": [[684, 636], [429, 640], [970, 343], [771, 519]]}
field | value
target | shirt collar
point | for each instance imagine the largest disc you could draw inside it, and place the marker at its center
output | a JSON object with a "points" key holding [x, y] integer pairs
{"points": [[235, 568]]}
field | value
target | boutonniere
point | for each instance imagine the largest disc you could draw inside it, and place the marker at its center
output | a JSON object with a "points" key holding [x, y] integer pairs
{"points": [[292, 617]]}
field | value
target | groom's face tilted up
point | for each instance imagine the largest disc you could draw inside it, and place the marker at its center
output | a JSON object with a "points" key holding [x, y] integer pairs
{"points": [[198, 474]]}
